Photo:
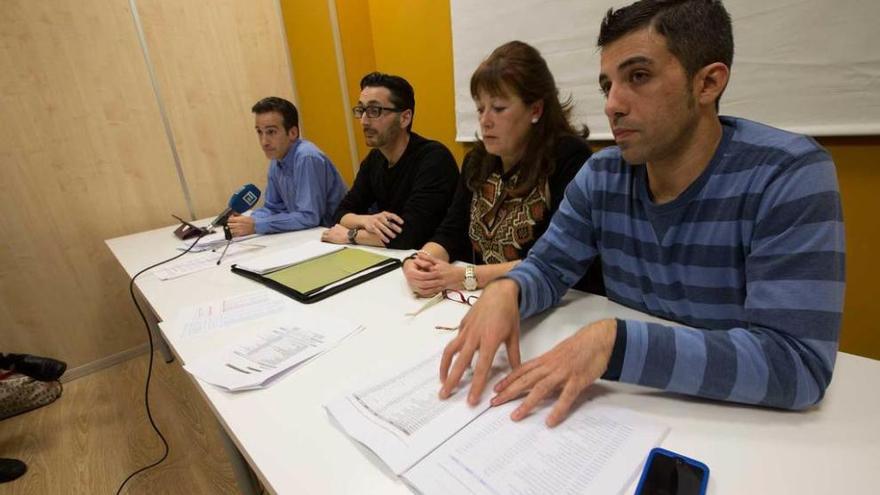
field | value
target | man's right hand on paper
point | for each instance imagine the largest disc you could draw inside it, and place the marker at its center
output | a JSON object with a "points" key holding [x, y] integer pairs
{"points": [[384, 225], [568, 369], [492, 321]]}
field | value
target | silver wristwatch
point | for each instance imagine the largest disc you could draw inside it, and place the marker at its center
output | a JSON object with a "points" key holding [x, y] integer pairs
{"points": [[470, 278], [352, 236]]}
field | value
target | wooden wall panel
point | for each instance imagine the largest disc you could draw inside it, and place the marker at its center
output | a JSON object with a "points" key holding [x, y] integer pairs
{"points": [[83, 158], [213, 61]]}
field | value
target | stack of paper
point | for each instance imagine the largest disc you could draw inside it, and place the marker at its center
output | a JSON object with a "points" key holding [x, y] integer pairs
{"points": [[288, 257], [207, 317], [449, 447], [270, 349], [198, 261], [211, 241]]}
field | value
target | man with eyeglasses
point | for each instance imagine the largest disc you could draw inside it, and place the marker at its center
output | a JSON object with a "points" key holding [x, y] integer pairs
{"points": [[304, 188], [405, 183]]}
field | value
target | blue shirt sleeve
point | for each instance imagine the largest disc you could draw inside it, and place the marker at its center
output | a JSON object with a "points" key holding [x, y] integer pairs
{"points": [[563, 253]]}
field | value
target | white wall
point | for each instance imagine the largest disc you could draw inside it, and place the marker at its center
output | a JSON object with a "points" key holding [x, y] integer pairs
{"points": [[811, 66]]}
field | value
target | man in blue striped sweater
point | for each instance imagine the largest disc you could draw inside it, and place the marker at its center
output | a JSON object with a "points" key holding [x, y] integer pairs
{"points": [[729, 228]]}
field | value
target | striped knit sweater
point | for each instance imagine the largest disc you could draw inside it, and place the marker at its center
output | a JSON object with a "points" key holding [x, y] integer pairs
{"points": [[749, 260]]}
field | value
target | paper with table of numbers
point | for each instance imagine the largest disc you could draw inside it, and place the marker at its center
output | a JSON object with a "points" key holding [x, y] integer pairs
{"points": [[597, 449], [270, 348], [444, 447]]}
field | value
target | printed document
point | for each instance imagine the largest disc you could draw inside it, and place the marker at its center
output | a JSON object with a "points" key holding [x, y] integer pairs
{"points": [[400, 417], [288, 257], [597, 449], [212, 241], [442, 447], [271, 348], [206, 317], [196, 262]]}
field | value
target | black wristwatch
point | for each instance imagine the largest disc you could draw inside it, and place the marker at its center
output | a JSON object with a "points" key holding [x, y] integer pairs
{"points": [[352, 236]]}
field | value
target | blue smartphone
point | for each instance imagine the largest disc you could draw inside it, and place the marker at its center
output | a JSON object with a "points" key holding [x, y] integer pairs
{"points": [[669, 473]]}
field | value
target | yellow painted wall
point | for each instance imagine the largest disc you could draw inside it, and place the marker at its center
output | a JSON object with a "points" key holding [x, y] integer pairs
{"points": [[858, 171], [410, 39], [319, 93], [413, 39], [356, 37]]}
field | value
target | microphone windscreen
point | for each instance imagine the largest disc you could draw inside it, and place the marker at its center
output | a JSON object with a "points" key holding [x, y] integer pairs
{"points": [[245, 198]]}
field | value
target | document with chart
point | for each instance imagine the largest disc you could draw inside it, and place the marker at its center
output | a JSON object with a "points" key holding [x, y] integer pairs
{"points": [[450, 447], [400, 417], [269, 348], [202, 319], [203, 260]]}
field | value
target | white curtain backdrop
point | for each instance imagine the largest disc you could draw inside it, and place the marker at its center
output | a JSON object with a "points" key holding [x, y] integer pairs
{"points": [[810, 66]]}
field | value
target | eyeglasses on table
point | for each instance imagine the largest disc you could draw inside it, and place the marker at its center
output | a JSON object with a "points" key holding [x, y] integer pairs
{"points": [[451, 294]]}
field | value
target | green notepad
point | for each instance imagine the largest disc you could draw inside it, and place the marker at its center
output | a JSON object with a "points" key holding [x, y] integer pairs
{"points": [[316, 273]]}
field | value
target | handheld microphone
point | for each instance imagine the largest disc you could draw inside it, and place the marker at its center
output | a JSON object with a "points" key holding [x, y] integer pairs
{"points": [[240, 202]]}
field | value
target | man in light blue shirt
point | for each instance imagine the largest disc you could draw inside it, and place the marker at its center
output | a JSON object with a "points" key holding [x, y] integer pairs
{"points": [[304, 188]]}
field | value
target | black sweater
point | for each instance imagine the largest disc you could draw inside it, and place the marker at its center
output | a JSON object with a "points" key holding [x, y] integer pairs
{"points": [[570, 153], [418, 188]]}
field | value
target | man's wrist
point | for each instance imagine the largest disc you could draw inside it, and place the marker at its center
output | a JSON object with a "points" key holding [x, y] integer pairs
{"points": [[360, 221], [351, 235], [610, 327], [614, 367], [258, 226], [351, 220]]}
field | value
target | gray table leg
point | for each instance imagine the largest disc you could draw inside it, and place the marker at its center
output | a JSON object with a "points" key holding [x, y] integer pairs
{"points": [[163, 346], [245, 479], [153, 322]]}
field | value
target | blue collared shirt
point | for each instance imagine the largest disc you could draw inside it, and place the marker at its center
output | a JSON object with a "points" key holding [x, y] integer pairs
{"points": [[303, 191]]}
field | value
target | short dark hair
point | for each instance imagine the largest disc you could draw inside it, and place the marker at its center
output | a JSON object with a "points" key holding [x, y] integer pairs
{"points": [[402, 95], [275, 104], [697, 32]]}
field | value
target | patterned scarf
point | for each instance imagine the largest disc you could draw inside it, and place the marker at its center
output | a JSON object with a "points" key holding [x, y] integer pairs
{"points": [[502, 225]]}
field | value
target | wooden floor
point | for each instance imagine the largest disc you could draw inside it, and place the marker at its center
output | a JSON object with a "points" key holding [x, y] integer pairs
{"points": [[97, 433]]}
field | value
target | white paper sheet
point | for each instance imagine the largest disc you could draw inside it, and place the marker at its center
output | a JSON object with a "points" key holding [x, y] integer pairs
{"points": [[400, 417], [212, 241], [597, 449], [196, 262], [289, 256], [204, 318], [270, 348]]}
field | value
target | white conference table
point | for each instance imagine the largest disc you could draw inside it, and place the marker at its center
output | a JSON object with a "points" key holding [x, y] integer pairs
{"points": [[288, 440]]}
